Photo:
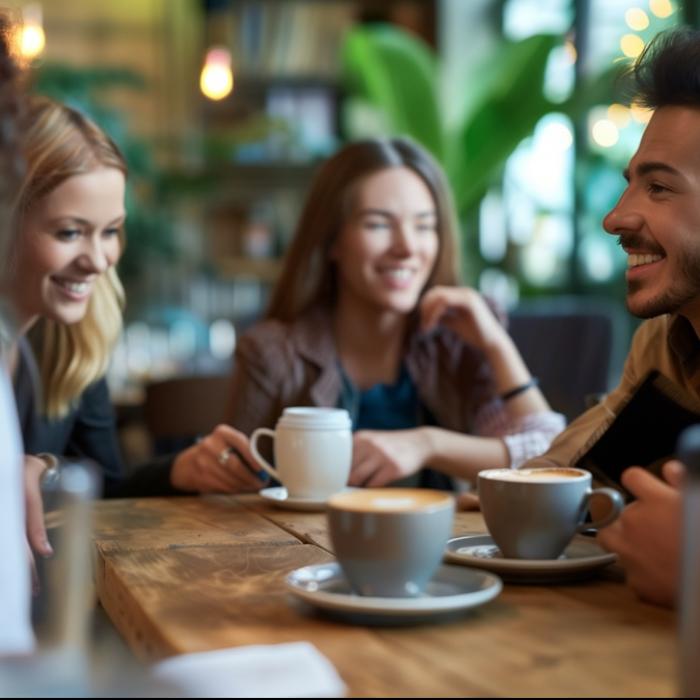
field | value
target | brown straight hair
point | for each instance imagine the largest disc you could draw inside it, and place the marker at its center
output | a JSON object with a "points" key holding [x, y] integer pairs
{"points": [[308, 277]]}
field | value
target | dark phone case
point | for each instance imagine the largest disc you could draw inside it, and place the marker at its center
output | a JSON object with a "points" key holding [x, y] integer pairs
{"points": [[645, 431]]}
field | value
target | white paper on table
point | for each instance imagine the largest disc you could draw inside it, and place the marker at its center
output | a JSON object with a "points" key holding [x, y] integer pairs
{"points": [[15, 627], [296, 669]]}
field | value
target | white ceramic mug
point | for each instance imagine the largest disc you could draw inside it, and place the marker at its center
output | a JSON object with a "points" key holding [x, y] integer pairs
{"points": [[313, 451]]}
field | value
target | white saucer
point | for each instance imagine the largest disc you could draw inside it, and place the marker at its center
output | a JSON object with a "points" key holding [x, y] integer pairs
{"points": [[278, 496], [583, 557], [451, 590]]}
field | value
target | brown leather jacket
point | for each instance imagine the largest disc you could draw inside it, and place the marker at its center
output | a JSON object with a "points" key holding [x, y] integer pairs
{"points": [[279, 365]]}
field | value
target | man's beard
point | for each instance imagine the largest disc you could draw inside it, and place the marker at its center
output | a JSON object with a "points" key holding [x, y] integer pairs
{"points": [[686, 288]]}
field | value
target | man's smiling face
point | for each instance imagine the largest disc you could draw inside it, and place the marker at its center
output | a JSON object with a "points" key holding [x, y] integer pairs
{"points": [[658, 217]]}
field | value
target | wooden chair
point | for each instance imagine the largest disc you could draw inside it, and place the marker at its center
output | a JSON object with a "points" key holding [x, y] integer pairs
{"points": [[178, 410]]}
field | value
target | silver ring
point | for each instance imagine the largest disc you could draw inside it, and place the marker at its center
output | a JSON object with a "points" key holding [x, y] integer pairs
{"points": [[224, 455]]}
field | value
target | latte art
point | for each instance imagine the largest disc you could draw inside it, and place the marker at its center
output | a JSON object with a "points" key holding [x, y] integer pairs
{"points": [[535, 474], [389, 500]]}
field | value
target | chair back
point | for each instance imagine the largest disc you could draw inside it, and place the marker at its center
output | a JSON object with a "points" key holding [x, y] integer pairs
{"points": [[178, 410], [569, 347]]}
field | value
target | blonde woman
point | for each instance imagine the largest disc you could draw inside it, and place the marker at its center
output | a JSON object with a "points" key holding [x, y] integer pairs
{"points": [[68, 224], [366, 316]]}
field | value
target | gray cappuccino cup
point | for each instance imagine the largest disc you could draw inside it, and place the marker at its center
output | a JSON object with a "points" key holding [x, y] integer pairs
{"points": [[534, 513], [389, 542]]}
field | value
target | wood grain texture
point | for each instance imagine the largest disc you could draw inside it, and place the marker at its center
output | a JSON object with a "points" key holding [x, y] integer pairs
{"points": [[203, 588], [153, 523]]}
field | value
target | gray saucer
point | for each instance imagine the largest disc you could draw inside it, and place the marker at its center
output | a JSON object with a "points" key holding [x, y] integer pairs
{"points": [[583, 558], [452, 590]]}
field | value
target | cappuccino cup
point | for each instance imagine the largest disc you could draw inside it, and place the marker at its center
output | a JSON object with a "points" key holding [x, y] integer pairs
{"points": [[534, 513], [389, 541], [313, 451]]}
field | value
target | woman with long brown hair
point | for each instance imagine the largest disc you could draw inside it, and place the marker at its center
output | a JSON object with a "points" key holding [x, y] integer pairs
{"points": [[366, 316]]}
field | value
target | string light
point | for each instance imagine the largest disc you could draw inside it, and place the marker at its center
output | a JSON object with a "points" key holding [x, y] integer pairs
{"points": [[570, 51], [661, 8], [619, 115], [605, 133], [631, 45], [636, 19], [640, 114]]}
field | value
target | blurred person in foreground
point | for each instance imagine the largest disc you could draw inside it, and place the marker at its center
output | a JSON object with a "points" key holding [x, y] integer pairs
{"points": [[15, 627], [657, 222], [366, 316], [67, 234]]}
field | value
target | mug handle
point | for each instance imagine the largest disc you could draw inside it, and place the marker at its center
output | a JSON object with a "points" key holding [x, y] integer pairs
{"points": [[254, 449], [617, 503]]}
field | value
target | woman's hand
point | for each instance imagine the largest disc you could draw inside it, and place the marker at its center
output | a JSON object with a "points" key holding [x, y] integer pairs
{"points": [[34, 468], [221, 463], [380, 456], [464, 311]]}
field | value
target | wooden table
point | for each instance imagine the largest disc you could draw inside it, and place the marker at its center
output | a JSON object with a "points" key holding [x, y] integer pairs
{"points": [[191, 574]]}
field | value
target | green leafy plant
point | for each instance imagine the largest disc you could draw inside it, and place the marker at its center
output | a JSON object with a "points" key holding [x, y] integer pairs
{"points": [[399, 75]]}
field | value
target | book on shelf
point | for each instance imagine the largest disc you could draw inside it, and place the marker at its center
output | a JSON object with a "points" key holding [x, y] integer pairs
{"points": [[295, 37]]}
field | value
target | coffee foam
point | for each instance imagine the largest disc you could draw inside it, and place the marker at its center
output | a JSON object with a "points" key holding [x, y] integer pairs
{"points": [[538, 474], [389, 500]]}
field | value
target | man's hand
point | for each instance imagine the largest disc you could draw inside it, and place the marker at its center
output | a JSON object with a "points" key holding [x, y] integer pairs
{"points": [[219, 463], [647, 535]]}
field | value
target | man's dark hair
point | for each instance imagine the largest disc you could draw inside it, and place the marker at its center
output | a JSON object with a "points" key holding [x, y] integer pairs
{"points": [[668, 70]]}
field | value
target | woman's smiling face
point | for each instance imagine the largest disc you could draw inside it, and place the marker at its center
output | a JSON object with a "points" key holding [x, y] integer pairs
{"points": [[67, 239], [388, 246]]}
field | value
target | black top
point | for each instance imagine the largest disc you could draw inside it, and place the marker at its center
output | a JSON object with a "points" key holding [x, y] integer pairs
{"points": [[87, 430]]}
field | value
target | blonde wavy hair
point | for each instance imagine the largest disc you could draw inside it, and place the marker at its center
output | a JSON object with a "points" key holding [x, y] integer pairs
{"points": [[58, 143]]}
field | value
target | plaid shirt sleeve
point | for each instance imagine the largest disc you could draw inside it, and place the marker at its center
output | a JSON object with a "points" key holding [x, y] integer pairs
{"points": [[525, 437]]}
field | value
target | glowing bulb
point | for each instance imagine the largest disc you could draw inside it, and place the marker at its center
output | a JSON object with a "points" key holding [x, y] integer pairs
{"points": [[636, 19], [216, 79], [661, 8], [619, 115], [32, 39], [605, 133], [631, 45]]}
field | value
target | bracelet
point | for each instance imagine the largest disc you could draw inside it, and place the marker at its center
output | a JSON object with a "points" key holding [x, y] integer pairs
{"points": [[50, 473], [512, 393]]}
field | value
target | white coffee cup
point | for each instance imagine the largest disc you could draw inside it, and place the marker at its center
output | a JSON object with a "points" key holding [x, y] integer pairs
{"points": [[313, 451]]}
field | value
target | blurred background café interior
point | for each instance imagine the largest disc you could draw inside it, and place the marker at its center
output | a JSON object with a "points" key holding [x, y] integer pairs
{"points": [[224, 108]]}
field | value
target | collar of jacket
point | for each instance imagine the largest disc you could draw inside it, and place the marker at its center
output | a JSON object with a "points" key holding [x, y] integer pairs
{"points": [[312, 334]]}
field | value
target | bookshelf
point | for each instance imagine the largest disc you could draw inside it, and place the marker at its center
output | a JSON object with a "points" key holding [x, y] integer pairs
{"points": [[264, 141]]}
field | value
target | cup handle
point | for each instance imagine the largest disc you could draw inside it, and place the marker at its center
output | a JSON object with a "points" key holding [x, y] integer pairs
{"points": [[617, 503], [260, 459]]}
